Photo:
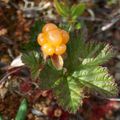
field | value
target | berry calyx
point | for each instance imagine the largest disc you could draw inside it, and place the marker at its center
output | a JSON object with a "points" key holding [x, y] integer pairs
{"points": [[41, 39], [47, 49], [60, 49], [48, 27], [54, 37], [65, 36]]}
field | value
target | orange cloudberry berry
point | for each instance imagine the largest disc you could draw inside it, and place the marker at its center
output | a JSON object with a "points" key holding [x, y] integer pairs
{"points": [[49, 27], [47, 49], [41, 39], [54, 37], [53, 40], [59, 50], [65, 36]]}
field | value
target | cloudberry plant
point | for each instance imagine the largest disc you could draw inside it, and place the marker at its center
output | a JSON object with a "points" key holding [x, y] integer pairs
{"points": [[82, 69], [53, 40]]}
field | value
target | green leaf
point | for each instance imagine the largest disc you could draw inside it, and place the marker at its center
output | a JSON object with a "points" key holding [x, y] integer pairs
{"points": [[48, 76], [61, 8], [103, 56], [65, 26], [97, 79], [78, 26], [69, 93], [78, 50], [1, 118], [92, 49], [75, 48], [22, 112], [77, 10], [26, 47], [33, 60]]}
